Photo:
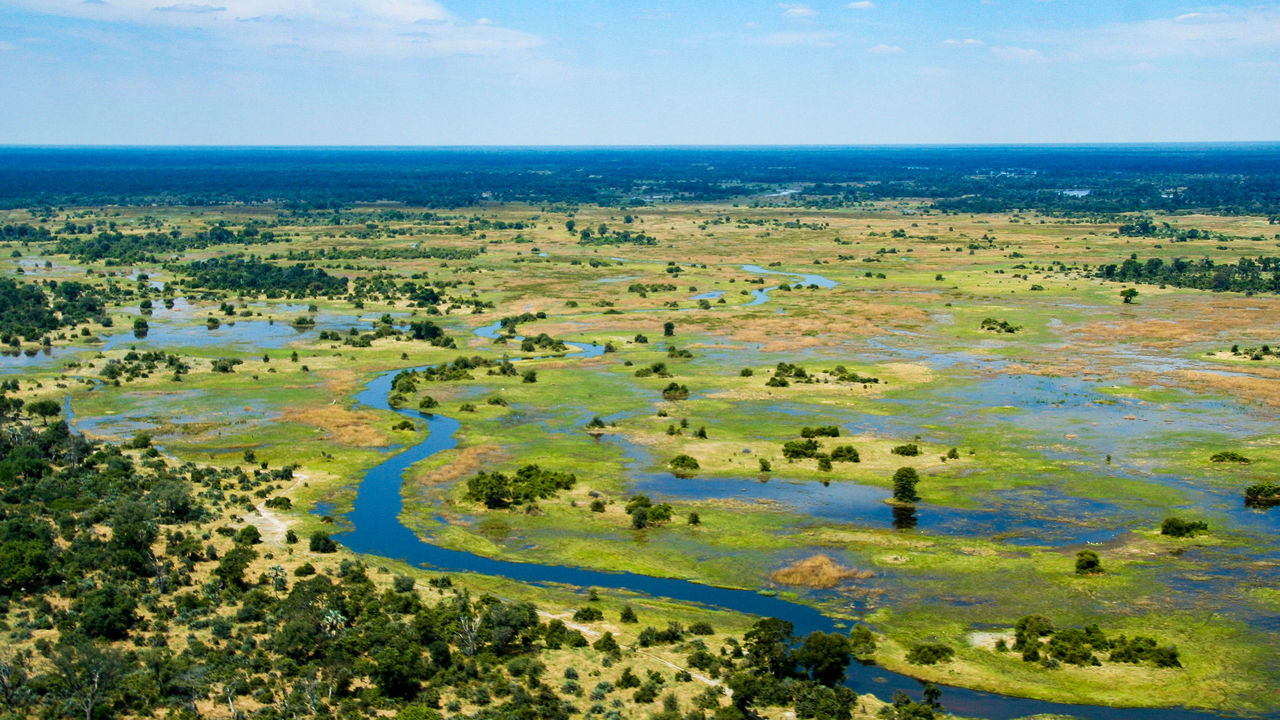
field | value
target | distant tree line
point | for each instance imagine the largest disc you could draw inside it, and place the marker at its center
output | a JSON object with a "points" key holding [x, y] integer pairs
{"points": [[1245, 275]]}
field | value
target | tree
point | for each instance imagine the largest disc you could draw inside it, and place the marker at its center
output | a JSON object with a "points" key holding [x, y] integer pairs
{"points": [[398, 666], [668, 329], [607, 644], [45, 409], [769, 646], [825, 656], [1128, 294], [1087, 563], [87, 674], [108, 612], [320, 542], [862, 642], [14, 691], [904, 485], [510, 625], [231, 569]]}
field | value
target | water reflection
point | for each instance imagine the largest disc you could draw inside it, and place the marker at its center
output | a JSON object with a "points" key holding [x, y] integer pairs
{"points": [[904, 517]]}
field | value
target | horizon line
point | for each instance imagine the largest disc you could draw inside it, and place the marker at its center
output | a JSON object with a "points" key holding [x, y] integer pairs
{"points": [[673, 146]]}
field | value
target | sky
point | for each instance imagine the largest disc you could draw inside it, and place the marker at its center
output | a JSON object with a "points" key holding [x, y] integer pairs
{"points": [[651, 72]]}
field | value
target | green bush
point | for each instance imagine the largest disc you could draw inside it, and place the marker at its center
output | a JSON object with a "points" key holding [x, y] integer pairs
{"points": [[929, 654]]}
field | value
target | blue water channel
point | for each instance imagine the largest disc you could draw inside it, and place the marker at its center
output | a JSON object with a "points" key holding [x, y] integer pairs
{"points": [[376, 529]]}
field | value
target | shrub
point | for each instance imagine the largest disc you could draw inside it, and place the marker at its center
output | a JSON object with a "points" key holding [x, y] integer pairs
{"points": [[675, 391], [607, 644], [1177, 527], [1088, 563], [797, 449], [248, 535], [845, 453], [587, 614], [908, 450], [320, 542], [820, 431], [1228, 456], [929, 654], [684, 462]]}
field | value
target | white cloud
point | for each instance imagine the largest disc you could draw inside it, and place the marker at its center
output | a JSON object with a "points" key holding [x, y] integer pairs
{"points": [[861, 5], [6, 46], [797, 11], [1233, 31], [883, 49], [359, 28], [967, 42]]}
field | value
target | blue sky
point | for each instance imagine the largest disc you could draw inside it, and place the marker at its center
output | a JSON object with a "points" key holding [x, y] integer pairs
{"points": [[448, 72]]}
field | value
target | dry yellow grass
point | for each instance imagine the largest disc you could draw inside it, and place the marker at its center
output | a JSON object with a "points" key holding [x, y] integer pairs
{"points": [[818, 571]]}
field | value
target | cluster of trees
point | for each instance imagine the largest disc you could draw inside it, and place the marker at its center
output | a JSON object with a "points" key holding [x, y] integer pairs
{"points": [[24, 233], [528, 485], [772, 668], [542, 341], [844, 374], [1262, 495], [28, 311], [998, 326], [809, 448], [118, 248], [430, 332], [1260, 274], [1255, 353], [1177, 527], [135, 365], [603, 235], [1039, 641], [255, 277], [644, 513], [406, 381], [643, 289], [786, 372], [1147, 227]]}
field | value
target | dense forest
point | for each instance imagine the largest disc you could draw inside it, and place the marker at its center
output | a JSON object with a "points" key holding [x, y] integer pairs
{"points": [[1224, 178]]}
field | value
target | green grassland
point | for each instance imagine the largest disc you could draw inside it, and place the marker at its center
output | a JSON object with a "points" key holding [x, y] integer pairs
{"points": [[1146, 406]]}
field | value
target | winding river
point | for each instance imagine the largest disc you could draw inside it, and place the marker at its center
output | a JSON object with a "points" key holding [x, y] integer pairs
{"points": [[376, 529]]}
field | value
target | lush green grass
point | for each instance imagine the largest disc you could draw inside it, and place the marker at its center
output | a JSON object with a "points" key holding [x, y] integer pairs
{"points": [[920, 335]]}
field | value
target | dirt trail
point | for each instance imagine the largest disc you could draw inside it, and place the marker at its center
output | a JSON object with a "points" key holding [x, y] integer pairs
{"points": [[269, 523]]}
